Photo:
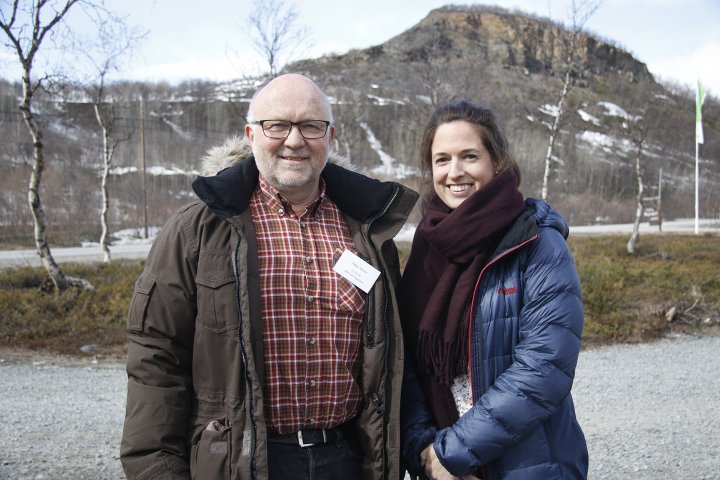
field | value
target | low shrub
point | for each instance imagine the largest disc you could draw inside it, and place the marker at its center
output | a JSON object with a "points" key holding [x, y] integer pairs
{"points": [[65, 322], [670, 284]]}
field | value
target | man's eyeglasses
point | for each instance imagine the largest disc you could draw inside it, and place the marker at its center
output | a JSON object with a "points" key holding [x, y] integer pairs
{"points": [[309, 129]]}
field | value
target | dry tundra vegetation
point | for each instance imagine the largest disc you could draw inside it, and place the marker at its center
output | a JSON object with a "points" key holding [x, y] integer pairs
{"points": [[670, 285]]}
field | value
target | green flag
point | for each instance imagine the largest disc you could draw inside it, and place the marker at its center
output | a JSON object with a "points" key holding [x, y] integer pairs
{"points": [[699, 99]]}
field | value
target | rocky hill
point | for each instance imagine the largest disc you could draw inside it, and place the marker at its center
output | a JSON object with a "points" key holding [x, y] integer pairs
{"points": [[490, 41], [382, 97], [515, 63]]}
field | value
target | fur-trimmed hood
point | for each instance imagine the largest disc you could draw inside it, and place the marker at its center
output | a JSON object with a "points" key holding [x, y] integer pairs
{"points": [[229, 176], [235, 149]]}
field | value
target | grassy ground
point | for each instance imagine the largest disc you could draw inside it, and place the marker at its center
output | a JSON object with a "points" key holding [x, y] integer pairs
{"points": [[671, 284], [62, 323]]}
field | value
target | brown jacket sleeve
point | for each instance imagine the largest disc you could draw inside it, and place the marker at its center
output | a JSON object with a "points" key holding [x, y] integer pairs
{"points": [[160, 329]]}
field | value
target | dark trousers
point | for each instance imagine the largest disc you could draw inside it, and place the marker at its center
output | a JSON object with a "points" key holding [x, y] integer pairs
{"points": [[341, 459]]}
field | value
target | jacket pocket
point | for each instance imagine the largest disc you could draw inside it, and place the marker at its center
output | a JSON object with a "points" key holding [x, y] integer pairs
{"points": [[210, 456], [216, 304], [144, 287]]}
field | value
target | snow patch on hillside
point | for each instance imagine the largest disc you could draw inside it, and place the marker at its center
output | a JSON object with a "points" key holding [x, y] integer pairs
{"points": [[390, 167]]}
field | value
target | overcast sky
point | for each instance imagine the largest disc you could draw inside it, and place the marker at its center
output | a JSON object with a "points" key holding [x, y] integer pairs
{"points": [[677, 39]]}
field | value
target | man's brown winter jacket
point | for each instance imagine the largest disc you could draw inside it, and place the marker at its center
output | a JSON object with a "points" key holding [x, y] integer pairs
{"points": [[195, 355]]}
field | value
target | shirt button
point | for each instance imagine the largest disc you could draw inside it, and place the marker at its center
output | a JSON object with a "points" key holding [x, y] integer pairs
{"points": [[312, 340], [281, 211], [311, 383], [302, 224], [310, 298], [311, 421], [308, 259]]}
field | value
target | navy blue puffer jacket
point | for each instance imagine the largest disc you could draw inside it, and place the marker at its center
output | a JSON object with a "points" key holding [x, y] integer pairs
{"points": [[527, 318]]}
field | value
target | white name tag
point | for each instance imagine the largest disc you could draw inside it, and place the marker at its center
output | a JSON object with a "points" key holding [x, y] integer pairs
{"points": [[356, 270]]}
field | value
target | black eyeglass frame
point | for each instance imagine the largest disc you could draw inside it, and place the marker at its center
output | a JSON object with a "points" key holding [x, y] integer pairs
{"points": [[299, 125]]}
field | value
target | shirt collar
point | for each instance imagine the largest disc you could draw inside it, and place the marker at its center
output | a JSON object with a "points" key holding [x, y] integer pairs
{"points": [[279, 204]]}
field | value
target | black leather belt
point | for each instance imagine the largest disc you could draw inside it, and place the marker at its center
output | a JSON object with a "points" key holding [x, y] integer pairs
{"points": [[305, 438]]}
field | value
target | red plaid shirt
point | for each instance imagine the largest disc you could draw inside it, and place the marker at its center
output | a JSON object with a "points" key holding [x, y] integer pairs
{"points": [[312, 316]]}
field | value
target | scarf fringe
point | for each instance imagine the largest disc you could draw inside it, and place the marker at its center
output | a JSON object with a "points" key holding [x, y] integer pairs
{"points": [[438, 355]]}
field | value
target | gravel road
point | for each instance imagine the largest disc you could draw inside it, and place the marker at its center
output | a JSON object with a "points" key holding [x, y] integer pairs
{"points": [[648, 411]]}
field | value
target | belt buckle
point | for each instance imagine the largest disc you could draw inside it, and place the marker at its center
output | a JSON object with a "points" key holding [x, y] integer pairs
{"points": [[303, 444]]}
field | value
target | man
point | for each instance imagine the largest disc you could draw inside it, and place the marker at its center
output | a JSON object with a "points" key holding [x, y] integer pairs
{"points": [[262, 341]]}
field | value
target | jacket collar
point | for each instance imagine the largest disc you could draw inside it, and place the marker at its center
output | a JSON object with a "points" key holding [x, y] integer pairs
{"points": [[538, 214], [230, 177]]}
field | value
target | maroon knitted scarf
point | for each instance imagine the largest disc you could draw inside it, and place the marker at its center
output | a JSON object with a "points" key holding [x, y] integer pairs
{"points": [[449, 251]]}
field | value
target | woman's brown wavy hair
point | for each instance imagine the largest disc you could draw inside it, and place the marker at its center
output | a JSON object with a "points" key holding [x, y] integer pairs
{"points": [[493, 138]]}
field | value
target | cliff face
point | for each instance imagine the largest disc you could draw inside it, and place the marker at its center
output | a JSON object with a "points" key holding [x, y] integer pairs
{"points": [[512, 41], [491, 39]]}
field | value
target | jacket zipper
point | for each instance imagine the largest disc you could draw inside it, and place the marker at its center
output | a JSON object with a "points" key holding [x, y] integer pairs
{"points": [[485, 471], [377, 400], [243, 353], [472, 304], [365, 229]]}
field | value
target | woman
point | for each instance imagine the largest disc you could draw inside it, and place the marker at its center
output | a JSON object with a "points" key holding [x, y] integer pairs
{"points": [[492, 316]]}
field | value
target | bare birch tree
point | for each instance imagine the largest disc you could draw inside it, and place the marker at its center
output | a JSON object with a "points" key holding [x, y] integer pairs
{"points": [[115, 41], [637, 128], [580, 12], [28, 27], [25, 29], [275, 33], [638, 135]]}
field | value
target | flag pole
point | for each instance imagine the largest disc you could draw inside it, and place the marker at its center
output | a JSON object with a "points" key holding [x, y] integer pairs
{"points": [[697, 188], [699, 99]]}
